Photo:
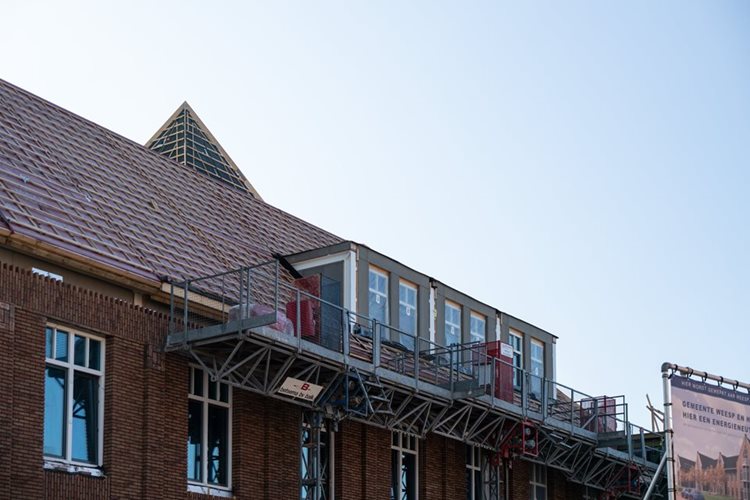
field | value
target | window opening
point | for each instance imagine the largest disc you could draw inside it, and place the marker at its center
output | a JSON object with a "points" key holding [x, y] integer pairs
{"points": [[209, 430], [404, 466], [516, 341], [452, 324], [537, 368], [407, 305], [538, 490], [378, 295], [478, 327], [73, 396]]}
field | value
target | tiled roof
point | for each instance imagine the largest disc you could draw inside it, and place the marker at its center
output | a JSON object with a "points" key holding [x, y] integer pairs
{"points": [[730, 462], [706, 462], [77, 186], [685, 463]]}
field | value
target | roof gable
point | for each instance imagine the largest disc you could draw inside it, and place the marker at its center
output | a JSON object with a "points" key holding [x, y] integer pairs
{"points": [[186, 139]]}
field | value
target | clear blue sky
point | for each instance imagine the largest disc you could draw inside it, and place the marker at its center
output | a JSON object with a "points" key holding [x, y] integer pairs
{"points": [[581, 165]]}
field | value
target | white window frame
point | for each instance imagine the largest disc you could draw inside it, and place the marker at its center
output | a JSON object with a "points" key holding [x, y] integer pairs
{"points": [[382, 294], [405, 444], [457, 307], [538, 479], [537, 361], [203, 486], [71, 368], [474, 466], [517, 357], [409, 307], [349, 285], [480, 336]]}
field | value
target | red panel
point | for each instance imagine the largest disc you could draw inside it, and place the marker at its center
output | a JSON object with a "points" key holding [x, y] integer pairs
{"points": [[503, 372], [307, 317]]}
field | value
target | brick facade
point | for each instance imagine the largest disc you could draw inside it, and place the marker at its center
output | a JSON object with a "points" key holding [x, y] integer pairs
{"points": [[145, 414]]}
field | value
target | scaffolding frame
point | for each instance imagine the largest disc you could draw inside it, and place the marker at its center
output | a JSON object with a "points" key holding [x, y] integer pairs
{"points": [[449, 391]]}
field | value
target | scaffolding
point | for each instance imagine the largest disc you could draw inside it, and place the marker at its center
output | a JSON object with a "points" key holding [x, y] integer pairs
{"points": [[255, 330]]}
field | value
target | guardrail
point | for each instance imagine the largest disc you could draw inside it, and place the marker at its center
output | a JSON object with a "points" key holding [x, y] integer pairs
{"points": [[266, 295]]}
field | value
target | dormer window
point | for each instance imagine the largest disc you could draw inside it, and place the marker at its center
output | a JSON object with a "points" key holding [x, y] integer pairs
{"points": [[478, 327], [537, 367], [378, 295], [407, 312], [452, 324]]}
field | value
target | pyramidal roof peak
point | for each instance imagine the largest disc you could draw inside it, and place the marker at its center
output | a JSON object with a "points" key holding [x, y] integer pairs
{"points": [[186, 139]]}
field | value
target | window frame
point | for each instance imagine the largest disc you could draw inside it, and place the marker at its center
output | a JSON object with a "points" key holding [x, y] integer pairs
{"points": [[452, 305], [517, 355], [383, 294], [538, 479], [408, 285], [404, 444], [533, 361], [473, 315], [203, 486], [71, 368], [474, 469]]}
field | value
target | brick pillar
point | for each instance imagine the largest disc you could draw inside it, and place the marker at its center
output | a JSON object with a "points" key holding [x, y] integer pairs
{"points": [[282, 449], [27, 410], [164, 426], [377, 471], [7, 313], [349, 465]]}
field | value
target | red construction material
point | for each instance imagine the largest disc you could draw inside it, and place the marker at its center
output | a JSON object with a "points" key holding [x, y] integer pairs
{"points": [[503, 371], [605, 409], [306, 323]]}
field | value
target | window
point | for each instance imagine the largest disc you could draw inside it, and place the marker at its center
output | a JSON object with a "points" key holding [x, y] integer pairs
{"points": [[516, 341], [473, 473], [209, 431], [407, 313], [73, 396], [452, 324], [316, 449], [378, 295], [537, 367], [477, 327], [404, 467], [538, 490]]}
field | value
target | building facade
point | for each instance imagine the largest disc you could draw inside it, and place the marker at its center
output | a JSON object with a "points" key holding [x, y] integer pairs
{"points": [[168, 334]]}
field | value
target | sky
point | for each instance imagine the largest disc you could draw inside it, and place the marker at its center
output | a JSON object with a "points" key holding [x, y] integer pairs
{"points": [[580, 165]]}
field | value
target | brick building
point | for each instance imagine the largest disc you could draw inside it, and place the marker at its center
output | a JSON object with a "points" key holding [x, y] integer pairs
{"points": [[168, 334]]}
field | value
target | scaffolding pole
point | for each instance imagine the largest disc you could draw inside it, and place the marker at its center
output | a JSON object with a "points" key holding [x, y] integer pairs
{"points": [[669, 455]]}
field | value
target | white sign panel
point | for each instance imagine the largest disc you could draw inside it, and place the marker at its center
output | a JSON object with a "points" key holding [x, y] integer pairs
{"points": [[506, 350], [300, 389]]}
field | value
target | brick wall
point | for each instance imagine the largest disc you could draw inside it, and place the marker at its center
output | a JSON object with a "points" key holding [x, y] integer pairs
{"points": [[145, 406], [145, 419], [442, 472], [363, 465]]}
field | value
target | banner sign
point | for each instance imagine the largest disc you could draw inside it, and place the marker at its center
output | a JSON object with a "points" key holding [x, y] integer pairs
{"points": [[711, 440]]}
